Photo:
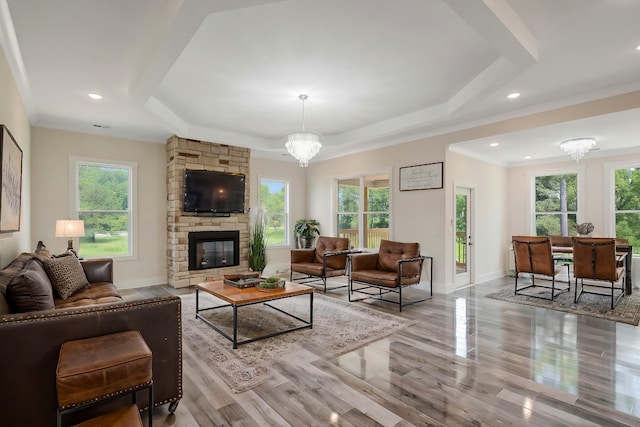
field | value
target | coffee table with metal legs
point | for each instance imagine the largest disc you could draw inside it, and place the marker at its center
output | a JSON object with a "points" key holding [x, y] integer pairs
{"points": [[236, 298]]}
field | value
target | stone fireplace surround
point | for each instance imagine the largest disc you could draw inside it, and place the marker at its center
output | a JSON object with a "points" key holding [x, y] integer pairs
{"points": [[185, 154]]}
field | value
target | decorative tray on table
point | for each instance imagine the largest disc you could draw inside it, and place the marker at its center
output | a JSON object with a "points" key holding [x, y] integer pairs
{"points": [[243, 280]]}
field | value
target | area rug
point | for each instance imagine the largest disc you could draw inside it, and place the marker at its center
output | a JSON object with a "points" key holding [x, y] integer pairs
{"points": [[627, 310], [338, 327]]}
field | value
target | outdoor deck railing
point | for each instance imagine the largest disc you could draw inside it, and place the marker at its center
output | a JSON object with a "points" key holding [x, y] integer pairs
{"points": [[373, 236]]}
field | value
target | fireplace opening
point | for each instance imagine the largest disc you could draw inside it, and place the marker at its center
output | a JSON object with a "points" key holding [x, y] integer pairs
{"points": [[213, 249]]}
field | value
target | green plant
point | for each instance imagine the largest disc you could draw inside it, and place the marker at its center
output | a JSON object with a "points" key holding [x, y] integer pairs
{"points": [[308, 228], [271, 282], [257, 241]]}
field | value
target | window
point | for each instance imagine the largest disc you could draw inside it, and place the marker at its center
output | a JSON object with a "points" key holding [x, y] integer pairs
{"points": [[274, 200], [556, 204], [627, 205], [104, 202], [363, 210]]}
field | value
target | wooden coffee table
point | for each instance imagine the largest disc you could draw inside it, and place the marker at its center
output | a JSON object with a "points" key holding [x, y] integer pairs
{"points": [[249, 296]]}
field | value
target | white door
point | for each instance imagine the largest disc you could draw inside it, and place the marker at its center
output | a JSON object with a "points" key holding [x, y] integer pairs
{"points": [[463, 237]]}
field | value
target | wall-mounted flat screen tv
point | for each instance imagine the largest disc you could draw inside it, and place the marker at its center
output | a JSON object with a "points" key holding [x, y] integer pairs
{"points": [[215, 192]]}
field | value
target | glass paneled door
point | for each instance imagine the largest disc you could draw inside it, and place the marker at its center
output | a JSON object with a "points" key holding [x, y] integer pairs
{"points": [[363, 210], [462, 242]]}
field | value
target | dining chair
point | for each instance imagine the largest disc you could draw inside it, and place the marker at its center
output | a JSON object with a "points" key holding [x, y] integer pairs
{"points": [[596, 259], [533, 256]]}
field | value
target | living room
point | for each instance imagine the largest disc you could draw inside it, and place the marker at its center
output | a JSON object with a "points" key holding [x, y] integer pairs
{"points": [[502, 193]]}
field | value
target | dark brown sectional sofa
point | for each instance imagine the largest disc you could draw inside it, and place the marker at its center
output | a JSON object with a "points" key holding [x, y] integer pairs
{"points": [[31, 340]]}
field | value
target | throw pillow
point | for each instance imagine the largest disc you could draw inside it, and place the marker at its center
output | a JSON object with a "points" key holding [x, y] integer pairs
{"points": [[66, 275], [42, 252], [30, 290]]}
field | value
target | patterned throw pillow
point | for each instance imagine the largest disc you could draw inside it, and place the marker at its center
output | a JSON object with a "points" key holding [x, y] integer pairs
{"points": [[66, 275]]}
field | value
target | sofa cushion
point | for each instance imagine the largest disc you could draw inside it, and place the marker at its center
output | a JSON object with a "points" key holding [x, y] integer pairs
{"points": [[66, 275], [30, 290], [94, 294]]}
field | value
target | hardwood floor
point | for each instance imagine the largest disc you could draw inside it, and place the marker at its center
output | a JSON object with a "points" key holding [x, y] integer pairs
{"points": [[467, 361]]}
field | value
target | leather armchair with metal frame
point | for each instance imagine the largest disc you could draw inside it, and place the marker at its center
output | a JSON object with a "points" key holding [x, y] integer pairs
{"points": [[327, 259], [533, 256], [395, 266], [596, 259]]}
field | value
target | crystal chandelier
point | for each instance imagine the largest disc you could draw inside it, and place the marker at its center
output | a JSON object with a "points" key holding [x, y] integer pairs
{"points": [[303, 145], [578, 147]]}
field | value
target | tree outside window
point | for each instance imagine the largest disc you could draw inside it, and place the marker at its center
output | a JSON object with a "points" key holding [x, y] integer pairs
{"points": [[274, 202], [363, 210], [556, 204], [103, 200], [627, 206]]}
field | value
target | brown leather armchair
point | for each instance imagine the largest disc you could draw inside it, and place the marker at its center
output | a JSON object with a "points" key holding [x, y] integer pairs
{"points": [[395, 266], [533, 256], [327, 259], [596, 259]]}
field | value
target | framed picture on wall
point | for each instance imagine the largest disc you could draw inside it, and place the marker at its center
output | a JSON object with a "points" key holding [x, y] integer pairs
{"points": [[421, 177], [10, 182]]}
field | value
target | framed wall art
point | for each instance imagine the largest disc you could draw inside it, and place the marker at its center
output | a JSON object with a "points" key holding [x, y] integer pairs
{"points": [[10, 182], [421, 177]]}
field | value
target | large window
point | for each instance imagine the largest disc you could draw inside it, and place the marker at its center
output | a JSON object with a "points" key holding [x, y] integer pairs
{"points": [[274, 200], [104, 202], [556, 204], [363, 210], [627, 205]]}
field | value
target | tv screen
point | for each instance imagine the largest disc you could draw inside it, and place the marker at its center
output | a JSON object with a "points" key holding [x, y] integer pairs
{"points": [[216, 192]]}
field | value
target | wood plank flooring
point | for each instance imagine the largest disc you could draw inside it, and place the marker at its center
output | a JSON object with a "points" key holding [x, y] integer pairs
{"points": [[467, 361]]}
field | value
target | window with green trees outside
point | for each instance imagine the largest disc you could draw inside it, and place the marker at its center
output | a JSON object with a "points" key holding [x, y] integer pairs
{"points": [[274, 200], [627, 206], [103, 202], [556, 204]]}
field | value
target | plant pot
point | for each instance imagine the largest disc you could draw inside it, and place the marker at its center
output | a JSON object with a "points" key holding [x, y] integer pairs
{"points": [[307, 242]]}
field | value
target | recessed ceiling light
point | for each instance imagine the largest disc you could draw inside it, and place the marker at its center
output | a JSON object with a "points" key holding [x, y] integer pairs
{"points": [[494, 144], [527, 157], [513, 95], [95, 96], [638, 47]]}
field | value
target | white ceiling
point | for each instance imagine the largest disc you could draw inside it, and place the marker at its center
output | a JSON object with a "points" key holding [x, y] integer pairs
{"points": [[377, 72]]}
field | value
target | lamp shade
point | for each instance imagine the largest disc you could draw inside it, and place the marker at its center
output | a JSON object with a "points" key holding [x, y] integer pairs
{"points": [[69, 228]]}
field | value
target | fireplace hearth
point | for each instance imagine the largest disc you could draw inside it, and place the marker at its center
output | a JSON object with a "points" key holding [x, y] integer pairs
{"points": [[213, 249]]}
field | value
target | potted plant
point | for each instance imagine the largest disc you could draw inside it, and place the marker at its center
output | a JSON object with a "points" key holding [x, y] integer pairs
{"points": [[306, 230], [257, 241]]}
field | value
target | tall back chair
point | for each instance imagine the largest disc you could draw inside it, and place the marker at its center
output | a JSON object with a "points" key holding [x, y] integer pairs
{"points": [[533, 256], [327, 259], [595, 259]]}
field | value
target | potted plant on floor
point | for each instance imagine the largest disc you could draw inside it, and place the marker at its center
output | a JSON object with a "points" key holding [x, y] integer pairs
{"points": [[306, 231], [257, 241]]}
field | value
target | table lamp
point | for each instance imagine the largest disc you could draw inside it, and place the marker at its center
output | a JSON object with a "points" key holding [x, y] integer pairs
{"points": [[70, 228]]}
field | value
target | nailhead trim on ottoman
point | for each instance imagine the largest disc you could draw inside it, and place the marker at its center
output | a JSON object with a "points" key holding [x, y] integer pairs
{"points": [[98, 367]]}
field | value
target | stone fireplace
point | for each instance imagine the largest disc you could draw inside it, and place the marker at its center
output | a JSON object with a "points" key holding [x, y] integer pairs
{"points": [[185, 154], [213, 249]]}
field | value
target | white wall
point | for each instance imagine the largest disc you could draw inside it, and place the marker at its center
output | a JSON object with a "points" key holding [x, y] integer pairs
{"points": [[14, 116], [417, 216], [490, 242], [52, 192], [286, 170]]}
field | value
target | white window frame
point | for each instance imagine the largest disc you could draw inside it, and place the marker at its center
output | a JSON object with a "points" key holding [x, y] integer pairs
{"points": [[579, 171], [287, 187], [361, 202], [610, 195], [74, 208]]}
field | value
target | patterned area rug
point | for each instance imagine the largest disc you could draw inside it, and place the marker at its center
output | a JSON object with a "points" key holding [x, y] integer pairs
{"points": [[627, 310], [338, 327]]}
